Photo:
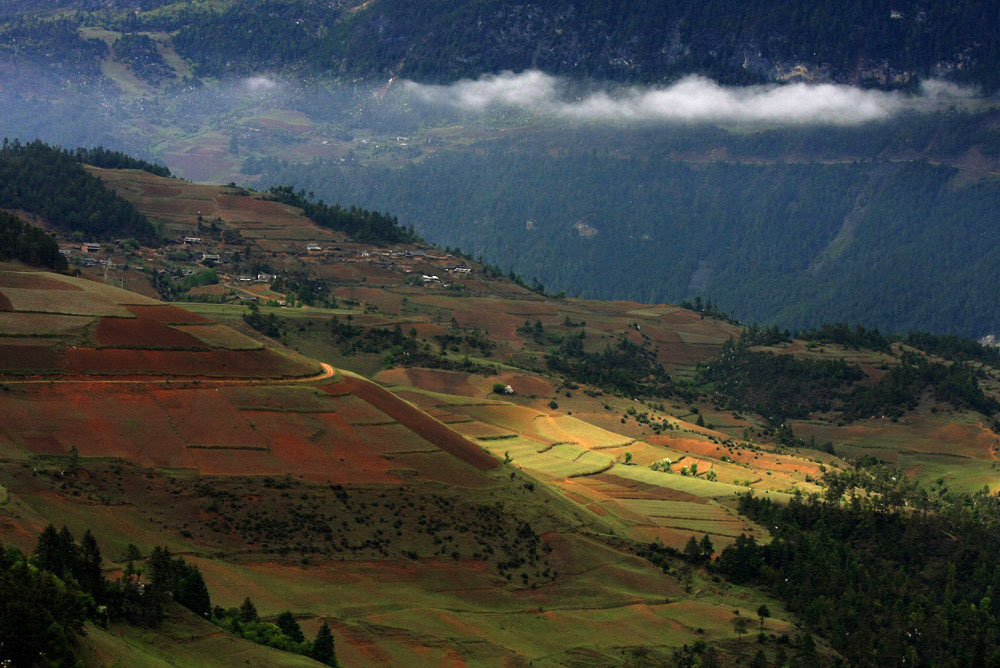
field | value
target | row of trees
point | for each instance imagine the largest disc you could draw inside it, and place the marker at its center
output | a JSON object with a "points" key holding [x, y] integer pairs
{"points": [[357, 223]]}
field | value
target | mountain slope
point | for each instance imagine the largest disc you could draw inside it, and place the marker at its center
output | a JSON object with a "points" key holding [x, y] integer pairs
{"points": [[897, 245], [873, 42]]}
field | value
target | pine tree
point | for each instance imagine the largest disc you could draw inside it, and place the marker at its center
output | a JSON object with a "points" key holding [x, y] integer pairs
{"points": [[248, 611], [322, 649], [193, 594], [161, 575], [691, 551], [132, 554], [48, 552], [70, 552], [707, 549], [763, 612], [286, 622], [90, 576]]}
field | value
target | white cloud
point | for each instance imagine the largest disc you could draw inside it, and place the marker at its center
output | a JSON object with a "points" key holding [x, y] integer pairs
{"points": [[260, 84], [692, 99]]}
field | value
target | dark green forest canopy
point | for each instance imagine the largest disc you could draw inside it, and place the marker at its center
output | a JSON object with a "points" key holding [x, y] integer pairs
{"points": [[51, 183], [886, 586], [28, 244], [625, 40]]}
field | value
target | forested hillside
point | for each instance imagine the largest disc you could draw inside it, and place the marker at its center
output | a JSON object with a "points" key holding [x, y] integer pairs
{"points": [[51, 183], [874, 42], [894, 245], [24, 242]]}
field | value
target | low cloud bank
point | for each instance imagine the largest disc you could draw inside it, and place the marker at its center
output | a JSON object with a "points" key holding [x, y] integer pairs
{"points": [[692, 99]]}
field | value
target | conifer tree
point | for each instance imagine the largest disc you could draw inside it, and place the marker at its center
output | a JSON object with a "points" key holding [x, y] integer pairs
{"points": [[248, 611], [193, 594], [322, 649], [290, 627], [89, 574]]}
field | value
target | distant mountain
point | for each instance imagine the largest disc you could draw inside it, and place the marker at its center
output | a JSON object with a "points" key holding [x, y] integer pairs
{"points": [[870, 42], [794, 228]]}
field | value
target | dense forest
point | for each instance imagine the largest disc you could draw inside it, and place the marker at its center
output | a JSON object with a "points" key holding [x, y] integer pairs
{"points": [[885, 581], [897, 245], [28, 244], [51, 183], [139, 52], [870, 42], [874, 41], [779, 387], [52, 43]]}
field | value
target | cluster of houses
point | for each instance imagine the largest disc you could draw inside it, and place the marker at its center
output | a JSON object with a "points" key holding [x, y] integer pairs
{"points": [[430, 265]]}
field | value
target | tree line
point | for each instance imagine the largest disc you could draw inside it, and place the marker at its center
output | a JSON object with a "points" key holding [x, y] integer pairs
{"points": [[357, 223]]}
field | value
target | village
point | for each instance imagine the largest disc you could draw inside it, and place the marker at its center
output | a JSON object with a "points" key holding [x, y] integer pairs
{"points": [[206, 269]]}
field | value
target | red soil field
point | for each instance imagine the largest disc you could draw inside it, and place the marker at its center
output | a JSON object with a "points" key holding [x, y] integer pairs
{"points": [[424, 425], [496, 324], [757, 460], [100, 420], [219, 461], [524, 384], [34, 281], [152, 190], [207, 417], [143, 333], [252, 209], [29, 357], [167, 314], [321, 447], [623, 488], [433, 380], [207, 364], [5, 303]]}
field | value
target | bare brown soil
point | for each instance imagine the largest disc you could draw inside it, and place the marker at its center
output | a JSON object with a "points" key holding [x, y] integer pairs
{"points": [[34, 281], [143, 332]]}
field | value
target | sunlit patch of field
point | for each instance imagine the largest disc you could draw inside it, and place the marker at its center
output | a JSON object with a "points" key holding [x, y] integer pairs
{"points": [[957, 447]]}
